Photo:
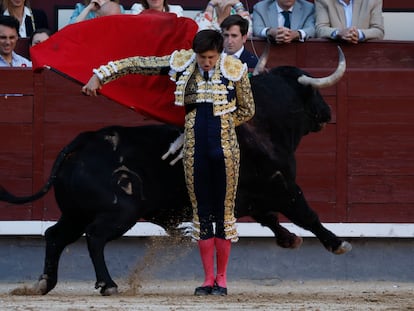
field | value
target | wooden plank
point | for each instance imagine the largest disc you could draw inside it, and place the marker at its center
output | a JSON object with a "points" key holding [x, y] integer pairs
{"points": [[13, 212], [323, 141], [15, 109], [372, 54], [8, 85], [381, 110], [381, 212], [381, 189], [381, 149], [75, 107], [384, 83]]}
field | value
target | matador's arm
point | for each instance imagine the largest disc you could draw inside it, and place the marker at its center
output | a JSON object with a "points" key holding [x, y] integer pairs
{"points": [[149, 65], [245, 102]]}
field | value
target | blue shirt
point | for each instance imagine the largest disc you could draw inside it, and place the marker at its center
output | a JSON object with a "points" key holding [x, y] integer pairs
{"points": [[17, 61]]}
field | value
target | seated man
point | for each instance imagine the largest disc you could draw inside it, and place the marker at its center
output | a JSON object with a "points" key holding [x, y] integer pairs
{"points": [[234, 29], [9, 34], [351, 21], [284, 20]]}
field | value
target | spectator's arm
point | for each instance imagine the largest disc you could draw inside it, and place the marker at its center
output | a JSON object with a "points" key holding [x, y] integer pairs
{"points": [[323, 24], [376, 23]]}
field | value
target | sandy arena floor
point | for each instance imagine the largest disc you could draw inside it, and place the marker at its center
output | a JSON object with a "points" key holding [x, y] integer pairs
{"points": [[248, 295]]}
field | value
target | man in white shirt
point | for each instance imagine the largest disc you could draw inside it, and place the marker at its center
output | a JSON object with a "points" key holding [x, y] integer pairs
{"points": [[9, 34]]}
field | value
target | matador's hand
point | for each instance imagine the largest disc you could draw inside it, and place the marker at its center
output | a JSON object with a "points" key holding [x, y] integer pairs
{"points": [[93, 85]]}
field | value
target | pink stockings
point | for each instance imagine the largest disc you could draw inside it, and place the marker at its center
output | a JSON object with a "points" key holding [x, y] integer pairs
{"points": [[222, 248]]}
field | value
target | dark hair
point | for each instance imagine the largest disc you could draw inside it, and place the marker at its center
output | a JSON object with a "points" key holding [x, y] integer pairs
{"points": [[40, 30], [145, 5], [208, 40], [235, 20], [10, 21]]}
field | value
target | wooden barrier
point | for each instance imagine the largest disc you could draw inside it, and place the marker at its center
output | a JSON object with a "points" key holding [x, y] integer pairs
{"points": [[359, 169]]}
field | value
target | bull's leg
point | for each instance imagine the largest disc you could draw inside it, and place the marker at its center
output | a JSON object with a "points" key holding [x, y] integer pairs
{"points": [[284, 238], [96, 246], [57, 237], [101, 231], [302, 215]]}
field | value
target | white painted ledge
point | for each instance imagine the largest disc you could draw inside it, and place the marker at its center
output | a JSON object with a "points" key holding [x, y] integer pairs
{"points": [[369, 230]]}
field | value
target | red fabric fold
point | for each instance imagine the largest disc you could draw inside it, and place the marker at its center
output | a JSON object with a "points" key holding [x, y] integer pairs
{"points": [[78, 48]]}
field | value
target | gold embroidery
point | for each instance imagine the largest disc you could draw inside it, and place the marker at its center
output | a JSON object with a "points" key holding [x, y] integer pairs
{"points": [[150, 65], [232, 68], [181, 59]]}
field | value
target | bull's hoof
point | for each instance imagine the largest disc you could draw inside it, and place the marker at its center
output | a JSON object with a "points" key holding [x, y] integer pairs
{"points": [[110, 291], [292, 242], [106, 290], [345, 247]]}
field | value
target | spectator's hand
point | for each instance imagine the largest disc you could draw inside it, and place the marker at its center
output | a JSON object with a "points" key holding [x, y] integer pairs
{"points": [[97, 4], [93, 85], [223, 9], [284, 35], [349, 34]]}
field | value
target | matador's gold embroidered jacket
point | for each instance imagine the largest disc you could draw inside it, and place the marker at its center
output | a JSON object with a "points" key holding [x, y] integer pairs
{"points": [[231, 97], [231, 94]]}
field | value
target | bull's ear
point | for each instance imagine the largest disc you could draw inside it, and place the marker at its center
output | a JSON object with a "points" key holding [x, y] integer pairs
{"points": [[329, 80], [261, 64]]}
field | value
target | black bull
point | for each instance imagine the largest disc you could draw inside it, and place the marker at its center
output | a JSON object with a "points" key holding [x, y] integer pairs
{"points": [[106, 180]]}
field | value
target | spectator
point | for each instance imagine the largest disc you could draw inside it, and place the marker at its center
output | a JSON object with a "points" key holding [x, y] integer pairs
{"points": [[109, 8], [349, 20], [216, 93], [89, 9], [9, 34], [284, 20], [158, 5], [40, 35], [29, 19], [234, 30], [217, 10]]}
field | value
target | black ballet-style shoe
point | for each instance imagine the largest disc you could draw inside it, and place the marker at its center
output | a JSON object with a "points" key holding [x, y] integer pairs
{"points": [[203, 291], [219, 291]]}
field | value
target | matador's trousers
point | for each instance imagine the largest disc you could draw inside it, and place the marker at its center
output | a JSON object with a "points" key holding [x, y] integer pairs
{"points": [[211, 160]]}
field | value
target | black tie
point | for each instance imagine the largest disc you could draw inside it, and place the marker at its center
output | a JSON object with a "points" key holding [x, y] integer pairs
{"points": [[205, 75], [286, 15]]}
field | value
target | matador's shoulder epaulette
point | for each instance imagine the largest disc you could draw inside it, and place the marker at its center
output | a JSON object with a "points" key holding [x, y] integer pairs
{"points": [[232, 68], [181, 59]]}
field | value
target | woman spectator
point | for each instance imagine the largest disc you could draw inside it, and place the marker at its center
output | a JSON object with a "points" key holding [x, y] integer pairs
{"points": [[158, 5], [29, 19], [217, 10]]}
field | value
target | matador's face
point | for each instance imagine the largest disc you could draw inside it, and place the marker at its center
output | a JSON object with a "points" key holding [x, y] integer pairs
{"points": [[207, 60]]}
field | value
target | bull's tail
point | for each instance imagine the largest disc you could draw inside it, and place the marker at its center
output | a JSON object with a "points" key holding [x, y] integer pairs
{"points": [[78, 142]]}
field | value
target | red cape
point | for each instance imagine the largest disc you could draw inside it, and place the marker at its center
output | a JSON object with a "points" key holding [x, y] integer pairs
{"points": [[78, 48]]}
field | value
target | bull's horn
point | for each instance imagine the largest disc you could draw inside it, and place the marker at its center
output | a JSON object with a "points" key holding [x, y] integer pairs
{"points": [[261, 63], [329, 80]]}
